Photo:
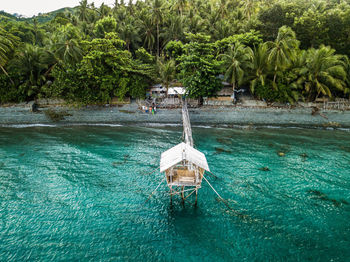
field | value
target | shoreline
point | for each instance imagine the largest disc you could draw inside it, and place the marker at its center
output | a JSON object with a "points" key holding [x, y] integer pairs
{"points": [[206, 116]]}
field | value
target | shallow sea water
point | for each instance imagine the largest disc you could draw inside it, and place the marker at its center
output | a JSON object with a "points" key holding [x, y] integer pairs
{"points": [[78, 193]]}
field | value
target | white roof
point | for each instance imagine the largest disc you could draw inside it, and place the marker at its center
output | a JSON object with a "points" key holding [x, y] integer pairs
{"points": [[157, 88], [182, 152], [176, 91]]}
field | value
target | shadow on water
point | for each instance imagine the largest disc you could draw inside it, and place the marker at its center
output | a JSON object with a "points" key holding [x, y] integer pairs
{"points": [[316, 194], [219, 150]]}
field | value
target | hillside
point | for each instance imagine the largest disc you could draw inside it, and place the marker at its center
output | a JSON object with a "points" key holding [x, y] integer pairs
{"points": [[42, 18]]}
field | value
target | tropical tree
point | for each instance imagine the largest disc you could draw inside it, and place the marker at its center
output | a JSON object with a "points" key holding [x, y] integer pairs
{"points": [[157, 10], [166, 70], [282, 49], [104, 10], [130, 34], [147, 30], [249, 6], [65, 46], [83, 10], [180, 5], [199, 68], [236, 63], [105, 25], [194, 22], [323, 71], [260, 66], [347, 70], [7, 46], [222, 9], [31, 63], [107, 70], [280, 70], [175, 29]]}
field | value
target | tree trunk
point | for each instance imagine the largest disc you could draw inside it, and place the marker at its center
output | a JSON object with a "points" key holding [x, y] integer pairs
{"points": [[157, 39], [233, 94], [275, 74], [3, 69]]}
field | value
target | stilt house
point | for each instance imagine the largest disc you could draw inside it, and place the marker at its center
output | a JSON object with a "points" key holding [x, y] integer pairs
{"points": [[183, 165]]}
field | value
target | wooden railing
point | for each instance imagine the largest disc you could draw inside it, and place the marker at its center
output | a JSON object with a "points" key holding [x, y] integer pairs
{"points": [[343, 105]]}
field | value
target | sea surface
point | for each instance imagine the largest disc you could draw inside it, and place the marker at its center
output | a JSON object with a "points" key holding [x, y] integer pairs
{"points": [[79, 193]]}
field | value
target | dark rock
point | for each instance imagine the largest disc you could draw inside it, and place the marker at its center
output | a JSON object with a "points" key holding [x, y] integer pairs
{"points": [[33, 106], [265, 168]]}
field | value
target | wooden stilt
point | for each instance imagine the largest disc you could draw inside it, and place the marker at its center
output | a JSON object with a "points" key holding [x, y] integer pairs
{"points": [[171, 196], [196, 197], [183, 195]]}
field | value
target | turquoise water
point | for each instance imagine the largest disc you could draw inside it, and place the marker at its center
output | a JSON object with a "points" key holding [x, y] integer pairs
{"points": [[78, 193]]}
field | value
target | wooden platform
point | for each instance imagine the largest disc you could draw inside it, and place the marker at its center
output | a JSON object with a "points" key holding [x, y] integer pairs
{"points": [[181, 176]]}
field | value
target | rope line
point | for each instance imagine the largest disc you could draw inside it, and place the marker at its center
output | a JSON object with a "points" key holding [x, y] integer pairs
{"points": [[223, 200], [150, 172], [155, 190]]}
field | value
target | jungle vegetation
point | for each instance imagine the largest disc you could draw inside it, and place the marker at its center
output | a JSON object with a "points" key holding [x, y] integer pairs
{"points": [[280, 50]]}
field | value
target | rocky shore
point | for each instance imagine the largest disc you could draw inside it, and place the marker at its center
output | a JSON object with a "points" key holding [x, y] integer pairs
{"points": [[214, 116]]}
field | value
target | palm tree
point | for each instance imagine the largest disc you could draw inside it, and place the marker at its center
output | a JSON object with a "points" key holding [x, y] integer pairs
{"points": [[260, 66], [148, 32], [180, 5], [103, 11], [157, 10], [64, 45], [36, 31], [281, 50], [175, 29], [347, 70], [222, 8], [130, 34], [7, 45], [221, 29], [194, 22], [323, 71], [249, 6], [83, 10], [236, 63], [31, 63], [67, 50], [166, 71]]}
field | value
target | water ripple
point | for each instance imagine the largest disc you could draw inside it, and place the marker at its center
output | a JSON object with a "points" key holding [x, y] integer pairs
{"points": [[79, 192]]}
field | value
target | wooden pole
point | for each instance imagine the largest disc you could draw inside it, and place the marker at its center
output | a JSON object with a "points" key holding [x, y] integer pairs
{"points": [[171, 195], [196, 197], [183, 195]]}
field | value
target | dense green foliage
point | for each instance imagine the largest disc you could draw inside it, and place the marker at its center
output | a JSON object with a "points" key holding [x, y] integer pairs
{"points": [[199, 67], [281, 50]]}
